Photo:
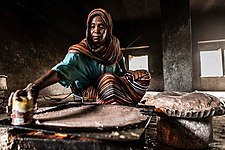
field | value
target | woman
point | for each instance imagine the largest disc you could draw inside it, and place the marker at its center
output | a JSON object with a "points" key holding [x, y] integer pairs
{"points": [[94, 68]]}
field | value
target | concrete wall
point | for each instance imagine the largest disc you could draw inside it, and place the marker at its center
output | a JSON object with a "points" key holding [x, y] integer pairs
{"points": [[206, 27], [34, 36], [149, 34], [33, 39]]}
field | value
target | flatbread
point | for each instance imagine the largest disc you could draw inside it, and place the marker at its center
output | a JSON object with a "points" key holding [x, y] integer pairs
{"points": [[89, 116], [186, 105]]}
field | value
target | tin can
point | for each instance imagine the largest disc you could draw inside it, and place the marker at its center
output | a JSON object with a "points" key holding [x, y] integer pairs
{"points": [[22, 111]]}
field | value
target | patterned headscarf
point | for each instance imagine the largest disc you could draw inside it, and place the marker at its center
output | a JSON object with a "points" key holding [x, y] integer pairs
{"points": [[110, 52]]}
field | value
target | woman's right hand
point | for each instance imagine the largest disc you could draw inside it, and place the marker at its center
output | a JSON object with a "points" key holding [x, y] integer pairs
{"points": [[30, 92]]}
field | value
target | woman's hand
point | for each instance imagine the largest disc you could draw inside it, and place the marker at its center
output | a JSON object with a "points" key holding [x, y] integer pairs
{"points": [[31, 92], [13, 96]]}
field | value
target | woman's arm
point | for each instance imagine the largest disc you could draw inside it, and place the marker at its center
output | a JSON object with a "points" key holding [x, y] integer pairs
{"points": [[49, 78], [32, 89]]}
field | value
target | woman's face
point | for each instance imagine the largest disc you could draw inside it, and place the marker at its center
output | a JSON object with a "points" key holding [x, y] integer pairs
{"points": [[98, 31]]}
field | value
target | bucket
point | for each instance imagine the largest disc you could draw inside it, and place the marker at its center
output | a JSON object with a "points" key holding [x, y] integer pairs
{"points": [[3, 84], [22, 111]]}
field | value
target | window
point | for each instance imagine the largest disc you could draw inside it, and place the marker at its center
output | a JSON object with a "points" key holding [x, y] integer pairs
{"points": [[211, 63], [138, 62]]}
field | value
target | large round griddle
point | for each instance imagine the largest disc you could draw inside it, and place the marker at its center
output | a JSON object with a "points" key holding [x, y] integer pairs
{"points": [[91, 117], [186, 105]]}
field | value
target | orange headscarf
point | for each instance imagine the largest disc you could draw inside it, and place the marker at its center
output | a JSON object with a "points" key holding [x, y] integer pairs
{"points": [[109, 53]]}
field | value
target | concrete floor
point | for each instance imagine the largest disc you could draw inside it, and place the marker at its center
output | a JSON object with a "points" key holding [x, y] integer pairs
{"points": [[151, 141], [218, 133]]}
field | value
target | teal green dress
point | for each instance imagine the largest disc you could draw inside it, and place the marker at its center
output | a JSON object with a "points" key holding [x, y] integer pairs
{"points": [[81, 70]]}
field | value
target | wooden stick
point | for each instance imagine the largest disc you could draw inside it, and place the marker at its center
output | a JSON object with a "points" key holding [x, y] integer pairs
{"points": [[131, 48]]}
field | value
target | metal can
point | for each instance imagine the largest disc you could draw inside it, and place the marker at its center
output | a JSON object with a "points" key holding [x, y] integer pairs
{"points": [[22, 111]]}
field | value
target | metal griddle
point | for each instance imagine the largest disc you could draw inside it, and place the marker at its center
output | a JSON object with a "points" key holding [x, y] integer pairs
{"points": [[128, 132]]}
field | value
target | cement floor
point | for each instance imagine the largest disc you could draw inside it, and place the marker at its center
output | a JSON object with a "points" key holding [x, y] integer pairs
{"points": [[151, 141]]}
